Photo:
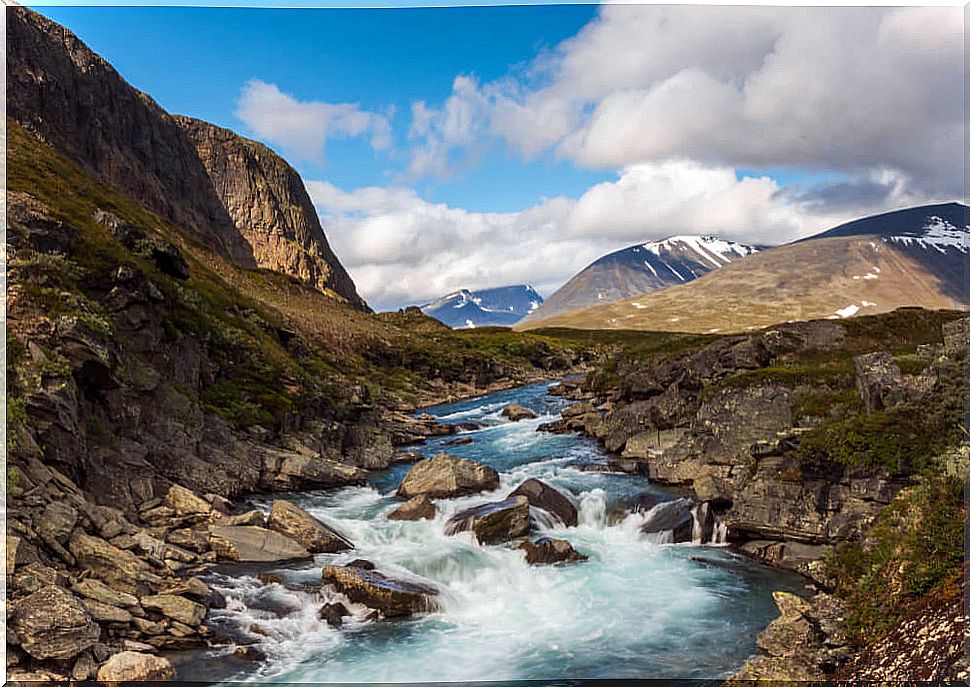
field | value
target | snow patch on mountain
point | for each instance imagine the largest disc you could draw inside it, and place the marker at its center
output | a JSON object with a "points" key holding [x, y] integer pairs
{"points": [[937, 234]]}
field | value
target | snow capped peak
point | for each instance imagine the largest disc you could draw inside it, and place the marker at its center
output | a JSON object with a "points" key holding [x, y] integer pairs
{"points": [[937, 233], [709, 249], [503, 305]]}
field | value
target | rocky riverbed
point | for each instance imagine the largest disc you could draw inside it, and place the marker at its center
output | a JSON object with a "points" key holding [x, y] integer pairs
{"points": [[517, 557]]}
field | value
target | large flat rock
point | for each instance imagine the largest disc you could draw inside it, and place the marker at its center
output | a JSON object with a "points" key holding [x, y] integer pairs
{"points": [[248, 544]]}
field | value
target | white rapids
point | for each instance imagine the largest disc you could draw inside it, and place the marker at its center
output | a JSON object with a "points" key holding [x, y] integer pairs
{"points": [[636, 609]]}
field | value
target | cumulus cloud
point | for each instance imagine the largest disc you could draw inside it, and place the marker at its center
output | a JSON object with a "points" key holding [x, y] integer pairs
{"points": [[302, 128], [401, 249], [852, 89]]}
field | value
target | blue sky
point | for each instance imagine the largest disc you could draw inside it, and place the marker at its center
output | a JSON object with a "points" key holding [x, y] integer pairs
{"points": [[195, 60], [482, 146]]}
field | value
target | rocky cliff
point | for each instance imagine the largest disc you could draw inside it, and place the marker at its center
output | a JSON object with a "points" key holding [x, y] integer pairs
{"points": [[73, 99], [833, 449], [234, 195], [270, 208]]}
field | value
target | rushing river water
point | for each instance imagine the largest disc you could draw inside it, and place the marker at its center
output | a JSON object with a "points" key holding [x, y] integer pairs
{"points": [[636, 609]]}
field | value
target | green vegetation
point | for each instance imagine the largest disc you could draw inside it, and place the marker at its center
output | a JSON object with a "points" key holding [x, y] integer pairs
{"points": [[13, 481], [272, 346], [897, 440], [915, 548], [16, 419]]}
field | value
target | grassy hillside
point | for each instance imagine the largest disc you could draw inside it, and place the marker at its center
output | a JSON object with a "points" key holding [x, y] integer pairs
{"points": [[277, 345], [802, 281]]}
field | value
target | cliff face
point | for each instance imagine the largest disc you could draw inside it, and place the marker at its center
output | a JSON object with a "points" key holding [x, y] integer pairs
{"points": [[270, 208], [236, 196], [74, 100]]}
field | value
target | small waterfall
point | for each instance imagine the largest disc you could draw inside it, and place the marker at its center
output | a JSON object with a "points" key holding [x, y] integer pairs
{"points": [[592, 509], [543, 519], [720, 532], [662, 537], [708, 526]]}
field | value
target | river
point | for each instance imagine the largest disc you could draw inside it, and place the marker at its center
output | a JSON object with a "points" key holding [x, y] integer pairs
{"points": [[635, 609]]}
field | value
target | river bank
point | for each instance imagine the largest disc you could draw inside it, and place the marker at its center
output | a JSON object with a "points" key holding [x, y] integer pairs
{"points": [[634, 608]]}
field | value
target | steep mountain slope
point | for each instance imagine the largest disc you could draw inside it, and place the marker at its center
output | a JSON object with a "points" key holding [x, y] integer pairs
{"points": [[74, 100], [70, 97], [502, 306], [270, 208], [913, 257], [640, 269]]}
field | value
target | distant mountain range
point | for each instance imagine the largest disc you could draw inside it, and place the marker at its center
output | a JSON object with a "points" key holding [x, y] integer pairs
{"points": [[502, 306], [911, 257], [640, 269]]}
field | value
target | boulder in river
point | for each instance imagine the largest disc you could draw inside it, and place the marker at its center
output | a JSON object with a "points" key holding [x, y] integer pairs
{"points": [[52, 623], [495, 522], [243, 544], [545, 551], [417, 508], [132, 666], [393, 598], [515, 412], [670, 522], [549, 499], [292, 521], [444, 476], [333, 614]]}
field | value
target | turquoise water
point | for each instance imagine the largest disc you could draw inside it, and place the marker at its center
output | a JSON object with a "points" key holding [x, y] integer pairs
{"points": [[634, 610]]}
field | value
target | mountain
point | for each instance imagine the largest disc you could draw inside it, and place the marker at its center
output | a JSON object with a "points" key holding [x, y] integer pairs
{"points": [[270, 207], [236, 196], [640, 269], [911, 257], [502, 306]]}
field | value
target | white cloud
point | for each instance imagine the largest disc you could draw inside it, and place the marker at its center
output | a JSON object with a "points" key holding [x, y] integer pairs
{"points": [[850, 89], [302, 128], [401, 249]]}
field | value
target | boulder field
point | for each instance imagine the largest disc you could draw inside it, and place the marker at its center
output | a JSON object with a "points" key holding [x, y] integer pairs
{"points": [[127, 587]]}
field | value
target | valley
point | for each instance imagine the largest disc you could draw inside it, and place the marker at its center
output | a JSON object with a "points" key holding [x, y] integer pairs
{"points": [[223, 465]]}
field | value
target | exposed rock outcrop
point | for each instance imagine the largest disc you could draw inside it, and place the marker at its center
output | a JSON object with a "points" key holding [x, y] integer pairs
{"points": [[541, 495], [547, 551], [236, 195], [670, 522], [73, 99], [803, 644], [53, 623], [133, 666], [514, 412], [416, 508], [270, 208], [248, 544]]}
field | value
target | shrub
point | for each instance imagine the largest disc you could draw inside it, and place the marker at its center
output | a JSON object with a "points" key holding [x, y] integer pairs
{"points": [[915, 547]]}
